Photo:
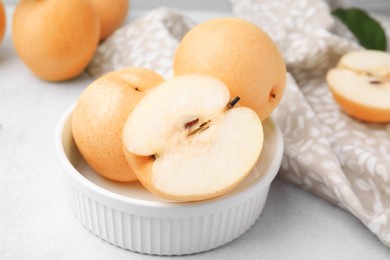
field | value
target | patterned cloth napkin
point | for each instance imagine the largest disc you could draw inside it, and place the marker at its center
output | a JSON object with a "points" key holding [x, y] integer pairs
{"points": [[341, 160]]}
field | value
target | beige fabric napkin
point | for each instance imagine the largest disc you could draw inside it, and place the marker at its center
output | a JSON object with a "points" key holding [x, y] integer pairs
{"points": [[341, 160]]}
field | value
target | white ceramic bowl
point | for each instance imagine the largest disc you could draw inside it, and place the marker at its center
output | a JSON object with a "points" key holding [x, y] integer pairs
{"points": [[128, 216]]}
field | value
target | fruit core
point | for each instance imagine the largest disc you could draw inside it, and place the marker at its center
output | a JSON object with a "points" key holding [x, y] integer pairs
{"points": [[188, 138], [377, 76]]}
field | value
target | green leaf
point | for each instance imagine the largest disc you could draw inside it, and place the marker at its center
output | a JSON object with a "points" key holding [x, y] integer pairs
{"points": [[367, 30]]}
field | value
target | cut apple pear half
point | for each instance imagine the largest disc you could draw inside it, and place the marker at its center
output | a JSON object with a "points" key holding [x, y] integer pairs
{"points": [[185, 141], [361, 85]]}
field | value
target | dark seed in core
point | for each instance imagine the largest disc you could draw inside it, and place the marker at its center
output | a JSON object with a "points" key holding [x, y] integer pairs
{"points": [[376, 82], [191, 123]]}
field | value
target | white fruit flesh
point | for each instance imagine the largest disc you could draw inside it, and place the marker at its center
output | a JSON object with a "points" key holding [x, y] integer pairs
{"points": [[360, 88], [367, 62], [162, 113], [199, 165], [214, 159]]}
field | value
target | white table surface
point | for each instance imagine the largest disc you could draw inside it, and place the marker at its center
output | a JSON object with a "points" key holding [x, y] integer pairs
{"points": [[36, 222]]}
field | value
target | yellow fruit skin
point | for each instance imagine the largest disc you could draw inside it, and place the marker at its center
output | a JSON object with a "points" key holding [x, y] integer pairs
{"points": [[142, 167], [55, 39], [2, 21], [100, 114], [241, 55], [111, 15], [360, 111]]}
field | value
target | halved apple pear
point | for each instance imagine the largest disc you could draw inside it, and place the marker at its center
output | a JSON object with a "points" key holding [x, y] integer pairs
{"points": [[185, 141], [361, 85]]}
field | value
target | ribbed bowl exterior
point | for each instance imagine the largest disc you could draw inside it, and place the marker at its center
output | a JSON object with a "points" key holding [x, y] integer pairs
{"points": [[166, 236]]}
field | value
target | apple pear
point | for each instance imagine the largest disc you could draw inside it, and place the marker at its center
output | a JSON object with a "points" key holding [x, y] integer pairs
{"points": [[100, 114], [186, 141], [361, 85], [241, 55]]}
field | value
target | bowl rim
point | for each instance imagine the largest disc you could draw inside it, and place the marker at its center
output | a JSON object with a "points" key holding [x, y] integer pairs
{"points": [[214, 203]]}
